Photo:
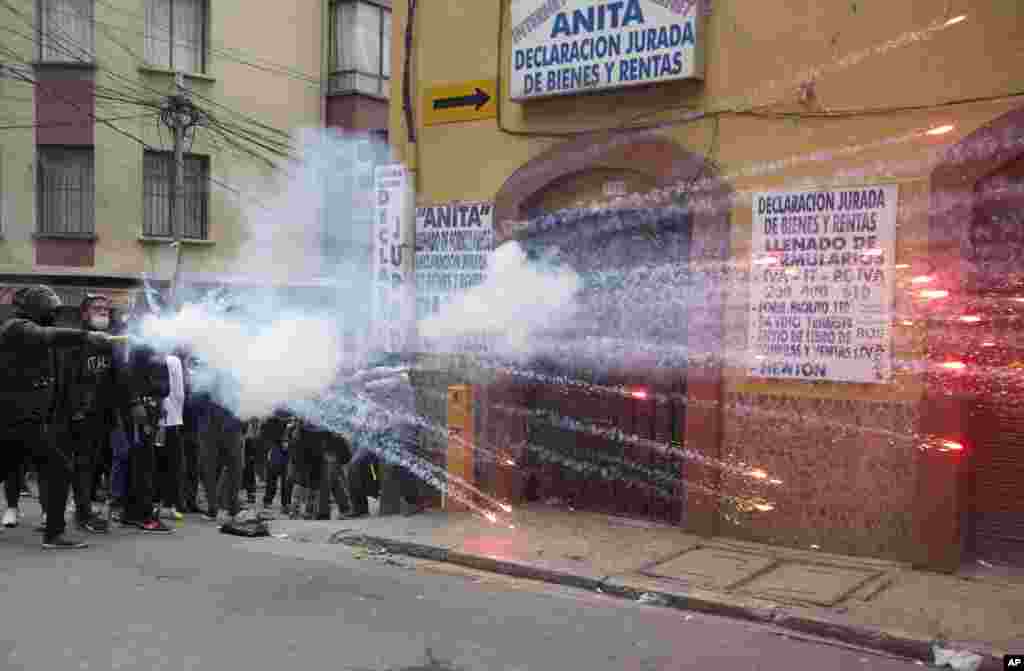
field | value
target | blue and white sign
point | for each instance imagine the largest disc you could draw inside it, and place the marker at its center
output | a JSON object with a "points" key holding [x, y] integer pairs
{"points": [[564, 47]]}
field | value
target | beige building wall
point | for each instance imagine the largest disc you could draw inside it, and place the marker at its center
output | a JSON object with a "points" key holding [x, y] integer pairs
{"points": [[264, 66], [879, 74]]}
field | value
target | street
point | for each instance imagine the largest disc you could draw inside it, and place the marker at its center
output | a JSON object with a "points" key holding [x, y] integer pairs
{"points": [[203, 600]]}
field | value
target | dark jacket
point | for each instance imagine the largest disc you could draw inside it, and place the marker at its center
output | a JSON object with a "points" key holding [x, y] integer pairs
{"points": [[91, 386], [30, 380]]}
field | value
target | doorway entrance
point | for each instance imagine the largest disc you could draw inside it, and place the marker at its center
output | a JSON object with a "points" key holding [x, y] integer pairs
{"points": [[607, 421]]}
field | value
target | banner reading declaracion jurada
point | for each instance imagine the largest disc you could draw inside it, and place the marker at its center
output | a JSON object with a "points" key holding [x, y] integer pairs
{"points": [[562, 47], [821, 299]]}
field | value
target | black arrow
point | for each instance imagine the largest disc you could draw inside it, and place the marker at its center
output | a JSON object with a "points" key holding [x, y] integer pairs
{"points": [[479, 99]]}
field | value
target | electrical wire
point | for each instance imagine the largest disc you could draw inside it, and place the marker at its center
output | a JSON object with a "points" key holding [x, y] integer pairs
{"points": [[228, 53], [58, 124], [137, 139], [136, 87]]}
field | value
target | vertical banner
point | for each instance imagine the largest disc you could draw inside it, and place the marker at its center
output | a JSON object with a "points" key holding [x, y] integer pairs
{"points": [[821, 298], [393, 317], [454, 243]]}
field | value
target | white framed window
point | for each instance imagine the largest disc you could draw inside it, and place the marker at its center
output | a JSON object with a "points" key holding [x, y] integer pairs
{"points": [[157, 171], [66, 31], [66, 191], [176, 34], [360, 47]]}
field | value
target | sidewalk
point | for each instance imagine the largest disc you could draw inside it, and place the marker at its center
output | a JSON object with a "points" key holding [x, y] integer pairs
{"points": [[867, 602]]}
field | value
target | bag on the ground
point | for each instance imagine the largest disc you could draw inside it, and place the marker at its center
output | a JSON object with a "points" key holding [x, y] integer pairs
{"points": [[250, 529]]}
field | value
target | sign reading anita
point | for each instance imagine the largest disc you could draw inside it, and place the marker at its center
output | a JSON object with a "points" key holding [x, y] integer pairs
{"points": [[561, 47], [453, 249], [822, 284]]}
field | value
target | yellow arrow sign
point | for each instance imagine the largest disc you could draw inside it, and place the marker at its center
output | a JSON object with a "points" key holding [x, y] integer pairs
{"points": [[465, 101]]}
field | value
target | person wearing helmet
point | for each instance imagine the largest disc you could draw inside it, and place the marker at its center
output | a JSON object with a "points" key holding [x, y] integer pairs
{"points": [[30, 396], [88, 418]]}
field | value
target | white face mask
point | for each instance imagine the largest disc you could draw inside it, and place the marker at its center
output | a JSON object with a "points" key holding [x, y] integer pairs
{"points": [[100, 323]]}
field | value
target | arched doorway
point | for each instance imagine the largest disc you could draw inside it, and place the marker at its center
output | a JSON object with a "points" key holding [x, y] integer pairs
{"points": [[622, 364], [978, 223]]}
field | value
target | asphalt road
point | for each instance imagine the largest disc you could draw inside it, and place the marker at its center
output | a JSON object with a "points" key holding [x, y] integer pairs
{"points": [[200, 600]]}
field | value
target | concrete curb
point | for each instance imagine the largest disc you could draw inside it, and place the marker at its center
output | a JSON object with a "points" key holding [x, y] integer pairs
{"points": [[823, 626]]}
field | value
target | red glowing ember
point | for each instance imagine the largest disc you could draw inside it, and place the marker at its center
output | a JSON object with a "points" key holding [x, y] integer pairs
{"points": [[950, 446], [970, 319], [934, 293], [638, 393], [954, 365]]}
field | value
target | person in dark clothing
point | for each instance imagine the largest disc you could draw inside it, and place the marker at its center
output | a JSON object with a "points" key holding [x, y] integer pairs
{"points": [[145, 373], [91, 400], [307, 454], [30, 394], [273, 435], [220, 446], [337, 453], [386, 428]]}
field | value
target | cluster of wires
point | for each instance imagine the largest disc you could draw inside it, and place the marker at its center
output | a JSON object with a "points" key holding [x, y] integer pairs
{"points": [[230, 130]]}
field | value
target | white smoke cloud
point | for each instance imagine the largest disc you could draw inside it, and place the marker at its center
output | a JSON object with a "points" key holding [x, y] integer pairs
{"points": [[265, 365], [518, 299], [279, 347]]}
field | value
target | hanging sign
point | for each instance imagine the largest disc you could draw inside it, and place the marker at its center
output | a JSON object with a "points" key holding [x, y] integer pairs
{"points": [[822, 284], [453, 250], [564, 47], [392, 259]]}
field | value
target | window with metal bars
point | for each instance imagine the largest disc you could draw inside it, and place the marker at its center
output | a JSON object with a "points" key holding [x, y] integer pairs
{"points": [[66, 31], [66, 189], [176, 36], [360, 47], [158, 170]]}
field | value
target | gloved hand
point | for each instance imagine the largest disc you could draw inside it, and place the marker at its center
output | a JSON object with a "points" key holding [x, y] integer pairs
{"points": [[98, 339]]}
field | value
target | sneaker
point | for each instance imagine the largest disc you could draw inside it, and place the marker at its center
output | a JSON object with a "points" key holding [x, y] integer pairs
{"points": [[210, 516], [62, 542], [155, 526], [94, 525], [11, 518], [355, 514], [41, 527]]}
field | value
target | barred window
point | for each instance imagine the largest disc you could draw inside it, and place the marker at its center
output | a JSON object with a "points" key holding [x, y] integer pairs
{"points": [[158, 169], [66, 31], [360, 47], [66, 191], [176, 34]]}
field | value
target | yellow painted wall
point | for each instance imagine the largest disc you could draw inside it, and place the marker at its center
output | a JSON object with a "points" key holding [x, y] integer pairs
{"points": [[860, 55], [276, 85]]}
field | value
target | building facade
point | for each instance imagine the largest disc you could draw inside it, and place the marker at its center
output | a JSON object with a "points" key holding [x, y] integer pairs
{"points": [[727, 129], [85, 163]]}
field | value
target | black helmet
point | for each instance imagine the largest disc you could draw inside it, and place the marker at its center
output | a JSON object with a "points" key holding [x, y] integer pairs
{"points": [[38, 303]]}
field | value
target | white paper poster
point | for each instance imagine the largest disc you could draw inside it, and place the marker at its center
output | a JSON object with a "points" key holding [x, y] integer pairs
{"points": [[453, 252], [393, 316], [821, 294]]}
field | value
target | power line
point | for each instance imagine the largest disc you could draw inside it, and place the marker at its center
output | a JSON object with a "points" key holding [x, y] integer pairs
{"points": [[274, 68], [138, 87], [57, 124], [137, 139]]}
